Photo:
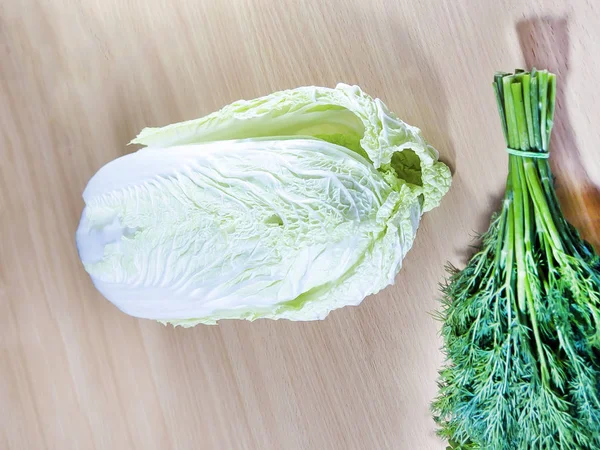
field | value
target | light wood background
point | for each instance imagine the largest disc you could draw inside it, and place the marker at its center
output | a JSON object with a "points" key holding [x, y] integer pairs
{"points": [[79, 79]]}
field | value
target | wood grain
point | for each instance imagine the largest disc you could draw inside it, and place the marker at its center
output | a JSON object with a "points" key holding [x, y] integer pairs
{"points": [[79, 79]]}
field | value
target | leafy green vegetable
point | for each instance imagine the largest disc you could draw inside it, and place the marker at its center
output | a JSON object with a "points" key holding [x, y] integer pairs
{"points": [[286, 206], [521, 323]]}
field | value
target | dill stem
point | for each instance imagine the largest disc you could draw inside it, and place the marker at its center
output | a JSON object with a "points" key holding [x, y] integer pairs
{"points": [[570, 239], [500, 257], [541, 204], [519, 247], [508, 239], [505, 238], [524, 293]]}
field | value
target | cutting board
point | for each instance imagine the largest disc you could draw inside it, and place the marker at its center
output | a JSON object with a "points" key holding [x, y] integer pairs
{"points": [[78, 80]]}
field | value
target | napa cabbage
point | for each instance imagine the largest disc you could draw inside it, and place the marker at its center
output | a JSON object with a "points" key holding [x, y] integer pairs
{"points": [[286, 206]]}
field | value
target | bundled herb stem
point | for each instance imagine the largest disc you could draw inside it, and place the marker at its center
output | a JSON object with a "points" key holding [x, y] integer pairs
{"points": [[521, 323]]}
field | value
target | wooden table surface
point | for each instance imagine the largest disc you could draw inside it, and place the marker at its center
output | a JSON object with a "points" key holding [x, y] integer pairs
{"points": [[79, 79]]}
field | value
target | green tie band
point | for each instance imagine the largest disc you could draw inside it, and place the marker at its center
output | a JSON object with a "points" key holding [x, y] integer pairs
{"points": [[514, 151]]}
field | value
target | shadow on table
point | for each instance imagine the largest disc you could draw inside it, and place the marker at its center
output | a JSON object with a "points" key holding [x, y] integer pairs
{"points": [[545, 45]]}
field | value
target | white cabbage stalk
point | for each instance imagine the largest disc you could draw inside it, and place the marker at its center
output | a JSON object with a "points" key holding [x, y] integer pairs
{"points": [[286, 206]]}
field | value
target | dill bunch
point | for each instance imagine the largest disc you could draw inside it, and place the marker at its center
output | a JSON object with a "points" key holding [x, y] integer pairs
{"points": [[521, 322]]}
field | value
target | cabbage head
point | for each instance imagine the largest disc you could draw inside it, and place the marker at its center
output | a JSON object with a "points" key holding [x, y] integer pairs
{"points": [[287, 206]]}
